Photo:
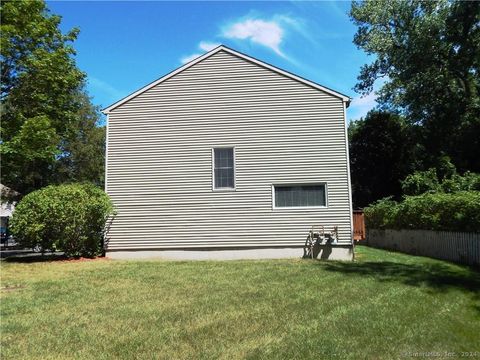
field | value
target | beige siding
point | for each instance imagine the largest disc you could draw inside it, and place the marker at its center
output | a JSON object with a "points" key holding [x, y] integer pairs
{"points": [[159, 171]]}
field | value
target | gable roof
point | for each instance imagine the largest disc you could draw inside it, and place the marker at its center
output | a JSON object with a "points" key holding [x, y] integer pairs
{"points": [[219, 48]]}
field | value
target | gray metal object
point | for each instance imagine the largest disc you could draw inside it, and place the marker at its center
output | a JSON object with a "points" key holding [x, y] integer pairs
{"points": [[318, 236]]}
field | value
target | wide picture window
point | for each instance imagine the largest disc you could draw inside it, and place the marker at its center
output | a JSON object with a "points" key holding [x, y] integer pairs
{"points": [[300, 196]]}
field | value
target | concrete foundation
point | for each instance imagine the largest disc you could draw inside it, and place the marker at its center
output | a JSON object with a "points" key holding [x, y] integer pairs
{"points": [[337, 252]]}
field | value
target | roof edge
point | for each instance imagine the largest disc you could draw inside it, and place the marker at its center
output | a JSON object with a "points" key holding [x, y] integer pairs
{"points": [[158, 81], [290, 75]]}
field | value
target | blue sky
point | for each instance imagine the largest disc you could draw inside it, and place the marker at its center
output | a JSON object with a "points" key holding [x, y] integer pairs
{"points": [[122, 45]]}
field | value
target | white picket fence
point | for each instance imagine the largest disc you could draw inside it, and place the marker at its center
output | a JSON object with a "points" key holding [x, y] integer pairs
{"points": [[446, 245]]}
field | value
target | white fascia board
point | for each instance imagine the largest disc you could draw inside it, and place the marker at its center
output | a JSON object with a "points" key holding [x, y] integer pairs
{"points": [[349, 179], [344, 98]]}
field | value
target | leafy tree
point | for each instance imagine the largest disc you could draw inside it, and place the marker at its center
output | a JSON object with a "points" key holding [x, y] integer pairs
{"points": [[84, 147], [39, 74], [42, 89], [31, 152], [428, 55], [382, 153]]}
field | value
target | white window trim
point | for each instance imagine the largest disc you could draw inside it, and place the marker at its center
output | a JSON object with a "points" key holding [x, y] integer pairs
{"points": [[225, 189], [290, 208]]}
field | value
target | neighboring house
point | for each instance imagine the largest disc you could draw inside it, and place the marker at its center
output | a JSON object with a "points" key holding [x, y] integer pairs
{"points": [[6, 210], [7, 205], [228, 157]]}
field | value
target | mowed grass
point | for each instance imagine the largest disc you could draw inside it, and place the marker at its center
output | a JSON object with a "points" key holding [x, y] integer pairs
{"points": [[383, 306]]}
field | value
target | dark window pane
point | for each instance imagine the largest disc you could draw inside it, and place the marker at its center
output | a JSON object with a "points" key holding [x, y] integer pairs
{"points": [[307, 195], [279, 198], [223, 158], [223, 171], [224, 178]]}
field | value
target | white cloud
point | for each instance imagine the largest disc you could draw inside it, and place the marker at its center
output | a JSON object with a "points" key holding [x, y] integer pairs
{"points": [[189, 58], [207, 46], [361, 105], [263, 32], [266, 32]]}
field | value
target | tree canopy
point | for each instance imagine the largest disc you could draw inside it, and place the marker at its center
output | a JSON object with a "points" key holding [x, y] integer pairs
{"points": [[427, 53], [49, 130], [382, 153]]}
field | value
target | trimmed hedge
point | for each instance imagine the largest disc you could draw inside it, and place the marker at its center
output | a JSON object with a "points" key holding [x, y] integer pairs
{"points": [[69, 218], [459, 211]]}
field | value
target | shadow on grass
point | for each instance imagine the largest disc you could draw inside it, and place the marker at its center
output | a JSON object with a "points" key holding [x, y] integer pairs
{"points": [[435, 277], [22, 256]]}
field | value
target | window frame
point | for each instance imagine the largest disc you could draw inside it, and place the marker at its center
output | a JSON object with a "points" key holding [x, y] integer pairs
{"points": [[310, 207], [234, 169]]}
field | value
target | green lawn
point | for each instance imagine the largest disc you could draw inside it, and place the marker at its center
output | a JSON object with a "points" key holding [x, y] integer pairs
{"points": [[381, 307]]}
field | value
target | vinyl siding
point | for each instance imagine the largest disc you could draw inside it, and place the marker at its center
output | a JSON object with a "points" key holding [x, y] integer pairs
{"points": [[159, 159]]}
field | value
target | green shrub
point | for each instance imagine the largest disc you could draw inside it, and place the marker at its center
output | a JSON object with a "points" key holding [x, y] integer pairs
{"points": [[459, 211], [421, 182], [468, 182], [379, 214], [69, 218]]}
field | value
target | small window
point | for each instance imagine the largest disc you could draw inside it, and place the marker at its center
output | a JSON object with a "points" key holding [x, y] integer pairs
{"points": [[224, 174], [300, 196]]}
